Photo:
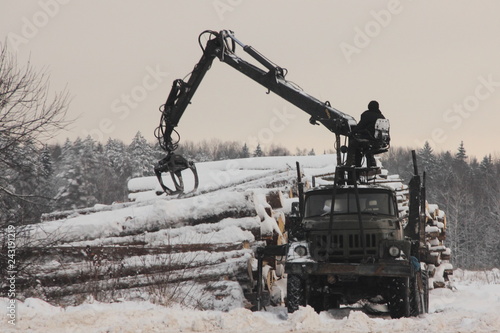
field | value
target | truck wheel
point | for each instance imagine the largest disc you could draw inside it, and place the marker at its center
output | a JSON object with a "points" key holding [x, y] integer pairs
{"points": [[317, 302], [419, 294], [416, 297], [425, 284], [295, 293], [425, 292], [333, 302], [398, 299]]}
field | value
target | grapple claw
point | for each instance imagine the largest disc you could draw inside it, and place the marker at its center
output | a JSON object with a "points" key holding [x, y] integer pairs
{"points": [[175, 164]]}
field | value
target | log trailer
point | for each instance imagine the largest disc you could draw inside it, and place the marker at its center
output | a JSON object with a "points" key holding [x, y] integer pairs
{"points": [[347, 241]]}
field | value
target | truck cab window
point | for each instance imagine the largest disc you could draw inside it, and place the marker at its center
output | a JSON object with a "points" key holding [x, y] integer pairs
{"points": [[345, 203]]}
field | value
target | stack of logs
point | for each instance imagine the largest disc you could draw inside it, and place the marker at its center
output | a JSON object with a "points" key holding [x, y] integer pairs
{"points": [[439, 259]]}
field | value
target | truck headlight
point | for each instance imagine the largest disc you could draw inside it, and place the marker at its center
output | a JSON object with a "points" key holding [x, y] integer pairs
{"points": [[394, 251], [301, 250]]}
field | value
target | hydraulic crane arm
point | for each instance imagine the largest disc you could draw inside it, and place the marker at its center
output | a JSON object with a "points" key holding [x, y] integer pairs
{"points": [[274, 80], [222, 45]]}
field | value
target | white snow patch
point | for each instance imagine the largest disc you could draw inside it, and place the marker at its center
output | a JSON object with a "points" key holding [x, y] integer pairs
{"points": [[472, 307]]}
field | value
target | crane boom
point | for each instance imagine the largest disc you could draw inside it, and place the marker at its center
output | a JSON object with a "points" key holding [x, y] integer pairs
{"points": [[222, 45]]}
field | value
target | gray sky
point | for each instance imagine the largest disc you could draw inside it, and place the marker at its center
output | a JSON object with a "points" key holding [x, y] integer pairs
{"points": [[432, 65]]}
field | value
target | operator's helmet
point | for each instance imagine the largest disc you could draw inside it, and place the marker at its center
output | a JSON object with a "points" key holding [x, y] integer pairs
{"points": [[373, 106]]}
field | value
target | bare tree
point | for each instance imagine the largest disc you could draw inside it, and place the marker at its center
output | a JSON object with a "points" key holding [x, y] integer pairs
{"points": [[29, 115]]}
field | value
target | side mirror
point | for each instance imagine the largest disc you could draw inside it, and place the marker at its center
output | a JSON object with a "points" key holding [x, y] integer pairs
{"points": [[295, 213], [294, 227]]}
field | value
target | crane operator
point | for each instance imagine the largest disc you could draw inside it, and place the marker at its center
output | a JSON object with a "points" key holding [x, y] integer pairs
{"points": [[362, 136]]}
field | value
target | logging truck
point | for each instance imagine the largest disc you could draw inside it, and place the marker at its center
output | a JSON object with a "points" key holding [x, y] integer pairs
{"points": [[349, 243], [346, 241]]}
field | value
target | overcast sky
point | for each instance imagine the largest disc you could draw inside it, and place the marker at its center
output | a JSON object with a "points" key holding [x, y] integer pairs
{"points": [[432, 65]]}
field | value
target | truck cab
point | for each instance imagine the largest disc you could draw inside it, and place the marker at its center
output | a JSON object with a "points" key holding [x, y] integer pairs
{"points": [[333, 233], [348, 246]]}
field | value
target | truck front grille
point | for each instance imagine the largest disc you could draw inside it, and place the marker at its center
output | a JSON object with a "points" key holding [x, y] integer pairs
{"points": [[341, 247]]}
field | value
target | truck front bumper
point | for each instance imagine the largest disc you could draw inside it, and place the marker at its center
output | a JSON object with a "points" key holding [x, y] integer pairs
{"points": [[389, 269]]}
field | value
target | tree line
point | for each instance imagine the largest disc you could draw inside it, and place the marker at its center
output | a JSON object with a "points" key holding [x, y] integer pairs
{"points": [[468, 191], [84, 172]]}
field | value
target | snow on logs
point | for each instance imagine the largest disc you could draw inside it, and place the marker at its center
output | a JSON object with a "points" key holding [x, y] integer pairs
{"points": [[439, 255], [199, 245]]}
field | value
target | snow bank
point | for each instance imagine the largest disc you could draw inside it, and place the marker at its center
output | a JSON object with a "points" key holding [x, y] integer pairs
{"points": [[477, 278], [472, 307]]}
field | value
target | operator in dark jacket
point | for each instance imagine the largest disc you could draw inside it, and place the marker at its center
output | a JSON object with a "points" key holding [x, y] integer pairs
{"points": [[365, 130]]}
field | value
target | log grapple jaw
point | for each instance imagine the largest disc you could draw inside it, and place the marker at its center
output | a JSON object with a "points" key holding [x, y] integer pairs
{"points": [[175, 164]]}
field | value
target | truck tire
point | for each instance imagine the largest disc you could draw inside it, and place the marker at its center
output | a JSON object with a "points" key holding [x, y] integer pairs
{"points": [[420, 293], [425, 284], [295, 293], [416, 296], [398, 298]]}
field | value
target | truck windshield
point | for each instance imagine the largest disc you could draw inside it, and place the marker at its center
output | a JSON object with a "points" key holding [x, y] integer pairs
{"points": [[345, 203]]}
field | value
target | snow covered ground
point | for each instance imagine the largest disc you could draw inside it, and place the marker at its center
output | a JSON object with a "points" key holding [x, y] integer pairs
{"points": [[473, 306]]}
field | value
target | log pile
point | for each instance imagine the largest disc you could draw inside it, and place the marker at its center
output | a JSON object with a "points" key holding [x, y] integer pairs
{"points": [[439, 257], [272, 208], [402, 190], [185, 259]]}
